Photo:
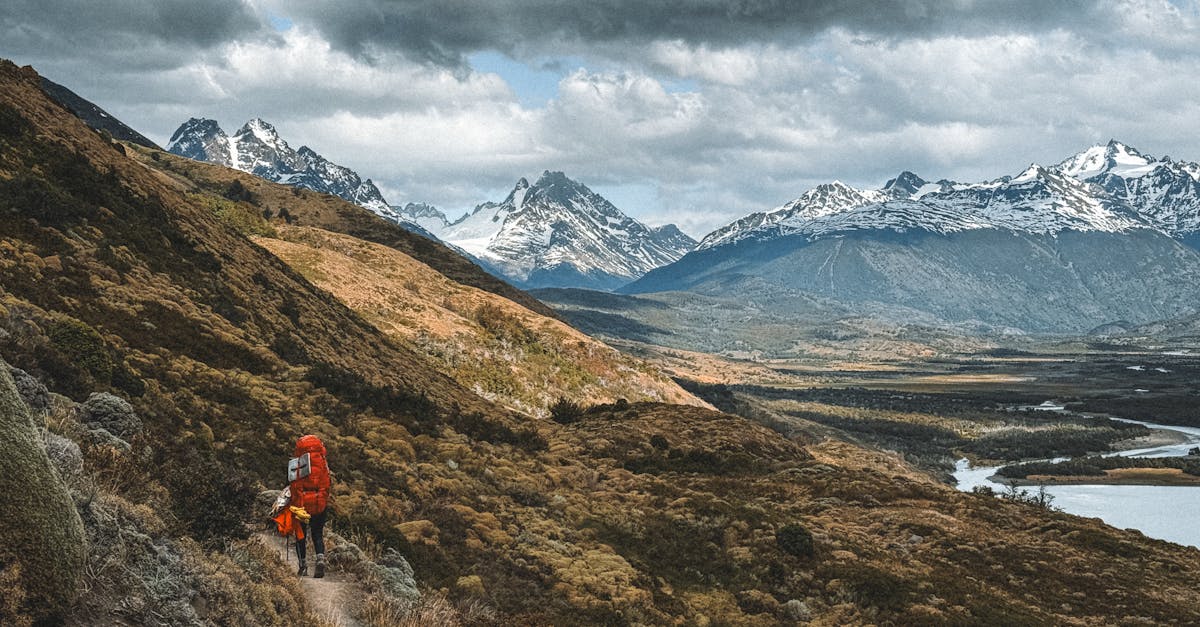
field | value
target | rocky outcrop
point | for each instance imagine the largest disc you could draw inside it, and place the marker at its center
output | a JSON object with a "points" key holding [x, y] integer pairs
{"points": [[42, 531]]}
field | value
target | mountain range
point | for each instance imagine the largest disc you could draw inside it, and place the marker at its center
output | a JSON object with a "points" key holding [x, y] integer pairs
{"points": [[1100, 237], [554, 233]]}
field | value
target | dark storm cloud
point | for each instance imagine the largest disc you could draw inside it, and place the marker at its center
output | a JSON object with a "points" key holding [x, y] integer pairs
{"points": [[444, 31], [163, 30]]}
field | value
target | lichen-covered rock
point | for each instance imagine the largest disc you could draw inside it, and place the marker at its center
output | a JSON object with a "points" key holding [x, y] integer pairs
{"points": [[66, 457], [396, 577], [345, 556], [35, 395], [797, 610], [40, 528], [111, 413]]}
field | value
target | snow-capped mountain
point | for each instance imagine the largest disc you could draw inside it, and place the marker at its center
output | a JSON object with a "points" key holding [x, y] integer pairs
{"points": [[1061, 248], [258, 149], [1038, 200], [1165, 192], [429, 217], [558, 233]]}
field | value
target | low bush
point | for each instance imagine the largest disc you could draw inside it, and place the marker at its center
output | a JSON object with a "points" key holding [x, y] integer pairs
{"points": [[565, 412], [795, 540]]}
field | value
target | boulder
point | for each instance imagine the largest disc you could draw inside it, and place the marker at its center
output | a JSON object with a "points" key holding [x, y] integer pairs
{"points": [[41, 529], [66, 457], [396, 577], [346, 556], [111, 413]]}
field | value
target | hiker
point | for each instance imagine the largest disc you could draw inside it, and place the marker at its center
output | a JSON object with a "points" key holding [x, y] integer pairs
{"points": [[308, 473]]}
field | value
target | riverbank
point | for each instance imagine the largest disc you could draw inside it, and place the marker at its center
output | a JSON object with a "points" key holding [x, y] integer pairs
{"points": [[1156, 439], [1117, 476]]}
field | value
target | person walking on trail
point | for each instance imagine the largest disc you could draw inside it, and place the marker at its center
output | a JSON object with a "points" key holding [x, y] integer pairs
{"points": [[308, 474]]}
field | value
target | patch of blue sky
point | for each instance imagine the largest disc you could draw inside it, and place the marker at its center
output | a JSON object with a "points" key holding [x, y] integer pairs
{"points": [[637, 200], [534, 84], [279, 23]]}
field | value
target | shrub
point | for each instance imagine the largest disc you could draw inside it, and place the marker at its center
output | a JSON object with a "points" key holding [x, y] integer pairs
{"points": [[795, 540], [83, 346], [213, 499], [565, 412], [238, 192]]}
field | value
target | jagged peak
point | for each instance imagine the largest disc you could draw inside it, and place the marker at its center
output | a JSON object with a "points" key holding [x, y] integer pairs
{"points": [[553, 177], [905, 181], [263, 131], [423, 210], [1030, 172], [1113, 157], [205, 127]]}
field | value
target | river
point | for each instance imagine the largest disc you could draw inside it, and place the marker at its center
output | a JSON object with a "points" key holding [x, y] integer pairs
{"points": [[1169, 513]]}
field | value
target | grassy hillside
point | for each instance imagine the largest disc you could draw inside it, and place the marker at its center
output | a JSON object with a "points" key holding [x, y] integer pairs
{"points": [[117, 278], [501, 350], [304, 207]]}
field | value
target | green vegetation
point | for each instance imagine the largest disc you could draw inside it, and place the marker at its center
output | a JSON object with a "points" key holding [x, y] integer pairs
{"points": [[931, 430], [236, 210], [564, 411], [1095, 465], [795, 540]]}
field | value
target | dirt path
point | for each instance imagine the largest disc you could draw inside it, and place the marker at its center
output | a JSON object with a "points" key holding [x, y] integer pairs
{"points": [[333, 596]]}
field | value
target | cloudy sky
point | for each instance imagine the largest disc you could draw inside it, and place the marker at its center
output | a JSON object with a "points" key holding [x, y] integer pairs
{"points": [[687, 111]]}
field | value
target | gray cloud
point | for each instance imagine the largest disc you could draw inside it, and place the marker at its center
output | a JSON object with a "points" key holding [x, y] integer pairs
{"points": [[443, 32], [50, 28]]}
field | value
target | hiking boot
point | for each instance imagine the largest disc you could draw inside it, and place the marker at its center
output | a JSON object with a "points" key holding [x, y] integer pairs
{"points": [[320, 572], [303, 572]]}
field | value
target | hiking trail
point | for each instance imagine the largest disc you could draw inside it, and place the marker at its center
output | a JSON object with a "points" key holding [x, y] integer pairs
{"points": [[333, 596]]}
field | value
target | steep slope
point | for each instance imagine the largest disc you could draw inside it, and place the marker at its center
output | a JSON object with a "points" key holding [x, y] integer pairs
{"points": [[307, 208], [558, 233], [93, 115], [114, 279], [467, 331], [257, 148], [1041, 251]]}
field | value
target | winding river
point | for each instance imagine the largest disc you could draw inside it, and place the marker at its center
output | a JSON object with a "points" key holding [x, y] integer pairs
{"points": [[1169, 513]]}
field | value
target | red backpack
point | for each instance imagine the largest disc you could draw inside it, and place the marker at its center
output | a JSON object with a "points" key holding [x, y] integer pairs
{"points": [[310, 489]]}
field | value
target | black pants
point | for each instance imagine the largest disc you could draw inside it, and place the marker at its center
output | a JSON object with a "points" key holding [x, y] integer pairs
{"points": [[315, 529]]}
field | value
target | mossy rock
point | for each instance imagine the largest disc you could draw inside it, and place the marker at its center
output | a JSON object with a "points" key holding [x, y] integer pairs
{"points": [[41, 528]]}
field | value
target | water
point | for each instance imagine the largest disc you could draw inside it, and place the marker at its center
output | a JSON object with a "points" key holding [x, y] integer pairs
{"points": [[1165, 512]]}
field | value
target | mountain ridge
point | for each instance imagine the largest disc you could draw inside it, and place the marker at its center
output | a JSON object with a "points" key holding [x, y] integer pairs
{"points": [[258, 148], [949, 248], [556, 232]]}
